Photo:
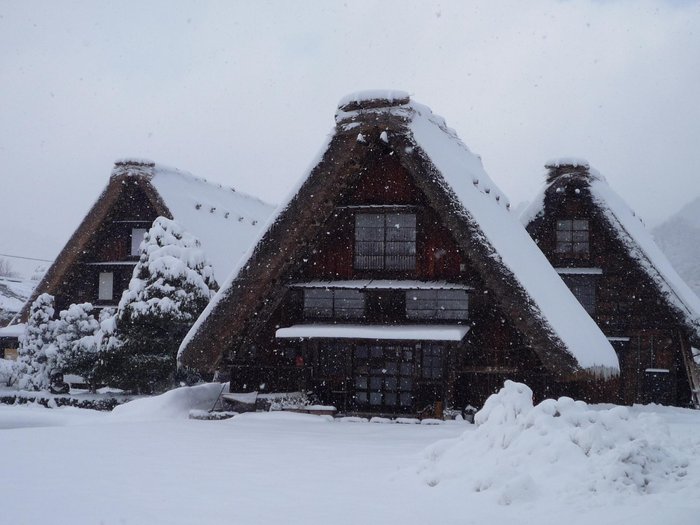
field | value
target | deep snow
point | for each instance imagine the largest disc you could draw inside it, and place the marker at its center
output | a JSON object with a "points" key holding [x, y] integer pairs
{"points": [[148, 463]]}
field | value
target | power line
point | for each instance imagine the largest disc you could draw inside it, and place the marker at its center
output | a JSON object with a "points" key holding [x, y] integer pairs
{"points": [[28, 258]]}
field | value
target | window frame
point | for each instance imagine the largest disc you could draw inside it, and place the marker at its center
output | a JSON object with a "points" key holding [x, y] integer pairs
{"points": [[103, 285], [380, 246], [332, 297], [572, 237], [584, 288], [135, 247], [446, 305]]}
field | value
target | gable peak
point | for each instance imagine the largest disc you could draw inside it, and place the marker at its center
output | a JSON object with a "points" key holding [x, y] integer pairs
{"points": [[133, 168]]}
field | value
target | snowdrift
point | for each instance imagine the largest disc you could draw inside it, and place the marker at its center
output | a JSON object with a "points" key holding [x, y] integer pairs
{"points": [[558, 448], [175, 403]]}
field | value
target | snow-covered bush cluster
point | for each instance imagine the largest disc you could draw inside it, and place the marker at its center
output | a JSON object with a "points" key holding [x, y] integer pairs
{"points": [[7, 372], [519, 451], [134, 347], [68, 344]]}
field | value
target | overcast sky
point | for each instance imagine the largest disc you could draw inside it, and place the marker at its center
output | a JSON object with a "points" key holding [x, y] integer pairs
{"points": [[244, 93]]}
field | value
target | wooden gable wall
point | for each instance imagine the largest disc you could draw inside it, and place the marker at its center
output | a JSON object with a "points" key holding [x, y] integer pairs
{"points": [[110, 242], [384, 182], [492, 351], [628, 303]]}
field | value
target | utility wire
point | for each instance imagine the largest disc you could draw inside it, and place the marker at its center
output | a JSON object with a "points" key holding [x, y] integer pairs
{"points": [[28, 258]]}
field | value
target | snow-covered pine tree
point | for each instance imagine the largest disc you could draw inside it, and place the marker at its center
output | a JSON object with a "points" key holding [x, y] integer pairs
{"points": [[74, 337], [33, 366], [107, 346], [171, 285]]}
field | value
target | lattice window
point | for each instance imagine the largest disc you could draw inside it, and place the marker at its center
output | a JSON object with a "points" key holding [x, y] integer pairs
{"points": [[385, 241], [383, 377], [572, 236], [583, 288], [437, 304], [433, 361], [333, 303]]}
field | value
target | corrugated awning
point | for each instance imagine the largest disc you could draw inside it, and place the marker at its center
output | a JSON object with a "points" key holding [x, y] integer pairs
{"points": [[379, 332]]}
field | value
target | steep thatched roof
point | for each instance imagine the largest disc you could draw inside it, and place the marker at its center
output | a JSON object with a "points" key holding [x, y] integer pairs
{"points": [[627, 227], [454, 184], [225, 221]]}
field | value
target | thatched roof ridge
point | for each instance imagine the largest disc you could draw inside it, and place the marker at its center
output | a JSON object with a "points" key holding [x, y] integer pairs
{"points": [[121, 176], [211, 212], [629, 229], [407, 129]]}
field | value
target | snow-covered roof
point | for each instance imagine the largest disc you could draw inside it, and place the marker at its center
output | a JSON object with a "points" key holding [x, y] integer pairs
{"points": [[477, 197], [640, 245], [13, 294], [477, 200], [14, 330], [225, 221], [409, 332]]}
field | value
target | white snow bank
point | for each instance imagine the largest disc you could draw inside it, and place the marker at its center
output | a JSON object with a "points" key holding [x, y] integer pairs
{"points": [[175, 403], [556, 449]]}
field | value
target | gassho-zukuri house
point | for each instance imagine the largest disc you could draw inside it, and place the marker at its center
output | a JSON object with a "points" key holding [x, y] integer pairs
{"points": [[396, 280], [97, 262], [611, 263]]}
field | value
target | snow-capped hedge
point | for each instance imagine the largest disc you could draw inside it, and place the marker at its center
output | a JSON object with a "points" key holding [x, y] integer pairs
{"points": [[557, 448]]}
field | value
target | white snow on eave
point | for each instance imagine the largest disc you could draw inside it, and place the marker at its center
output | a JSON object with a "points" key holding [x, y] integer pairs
{"points": [[373, 94], [374, 332], [641, 247], [225, 221], [511, 243], [272, 218], [13, 330]]}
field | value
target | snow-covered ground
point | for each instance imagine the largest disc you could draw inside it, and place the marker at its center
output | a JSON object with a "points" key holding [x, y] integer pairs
{"points": [[147, 463]]}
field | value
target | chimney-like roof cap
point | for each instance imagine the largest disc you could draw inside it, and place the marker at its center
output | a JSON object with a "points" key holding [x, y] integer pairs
{"points": [[133, 167], [566, 166], [373, 99]]}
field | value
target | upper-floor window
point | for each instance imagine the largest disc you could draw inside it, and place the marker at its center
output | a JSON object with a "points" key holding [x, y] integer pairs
{"points": [[333, 303], [385, 241], [572, 236], [137, 235], [105, 288], [583, 288], [437, 304]]}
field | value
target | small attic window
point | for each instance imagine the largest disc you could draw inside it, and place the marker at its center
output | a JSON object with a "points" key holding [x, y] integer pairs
{"points": [[385, 241], [572, 237]]}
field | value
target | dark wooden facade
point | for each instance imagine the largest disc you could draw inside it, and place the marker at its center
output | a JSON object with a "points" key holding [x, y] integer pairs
{"points": [[101, 248], [316, 239], [651, 338], [434, 374]]}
